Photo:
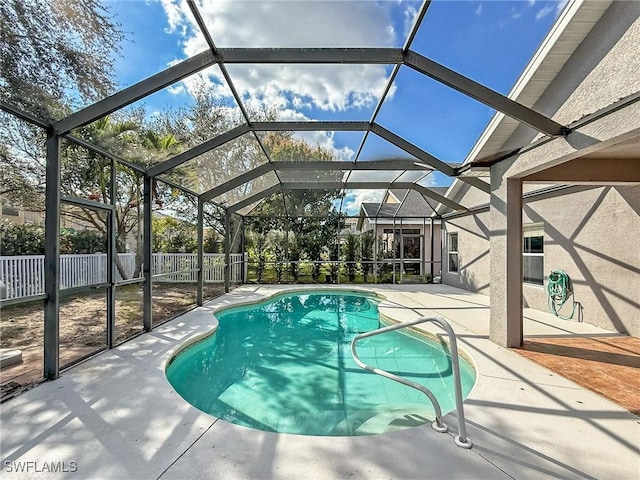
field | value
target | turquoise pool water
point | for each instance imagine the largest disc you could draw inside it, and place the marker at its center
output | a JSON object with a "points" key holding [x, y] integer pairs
{"points": [[285, 365]]}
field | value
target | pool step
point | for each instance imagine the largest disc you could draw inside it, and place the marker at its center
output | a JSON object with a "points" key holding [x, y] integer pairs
{"points": [[384, 419], [392, 421], [250, 407], [331, 420]]}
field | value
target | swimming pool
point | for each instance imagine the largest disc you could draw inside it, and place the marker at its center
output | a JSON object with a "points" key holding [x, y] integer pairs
{"points": [[284, 365]]}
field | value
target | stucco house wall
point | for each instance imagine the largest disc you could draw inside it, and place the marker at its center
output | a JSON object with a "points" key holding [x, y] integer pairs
{"points": [[593, 236], [604, 69], [473, 253], [592, 232]]}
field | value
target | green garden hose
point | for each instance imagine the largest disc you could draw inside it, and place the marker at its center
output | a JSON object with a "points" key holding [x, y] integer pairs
{"points": [[559, 291]]}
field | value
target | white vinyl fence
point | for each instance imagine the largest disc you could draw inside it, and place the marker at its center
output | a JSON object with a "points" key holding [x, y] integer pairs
{"points": [[23, 275]]}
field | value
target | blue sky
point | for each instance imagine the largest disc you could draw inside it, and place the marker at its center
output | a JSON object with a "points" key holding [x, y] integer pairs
{"points": [[489, 41]]}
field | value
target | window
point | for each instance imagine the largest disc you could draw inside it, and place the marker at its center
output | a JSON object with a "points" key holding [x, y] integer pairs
{"points": [[10, 211], [453, 252], [533, 254], [405, 231]]}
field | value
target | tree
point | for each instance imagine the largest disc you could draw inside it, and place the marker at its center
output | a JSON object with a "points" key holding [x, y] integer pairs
{"points": [[21, 239], [87, 174], [351, 250], [295, 254], [258, 245], [258, 241], [280, 245], [206, 118], [366, 253], [74, 241], [56, 54], [29, 240], [171, 235], [22, 175], [212, 241], [309, 215]]}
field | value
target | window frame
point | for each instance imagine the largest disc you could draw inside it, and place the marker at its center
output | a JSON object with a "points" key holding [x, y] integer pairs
{"points": [[451, 253], [532, 230]]}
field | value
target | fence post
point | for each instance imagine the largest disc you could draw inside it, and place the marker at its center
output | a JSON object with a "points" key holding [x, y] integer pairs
{"points": [[245, 266]]}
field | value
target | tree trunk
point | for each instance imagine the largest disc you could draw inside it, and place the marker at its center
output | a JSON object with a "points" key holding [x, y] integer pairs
{"points": [[120, 267], [138, 267]]}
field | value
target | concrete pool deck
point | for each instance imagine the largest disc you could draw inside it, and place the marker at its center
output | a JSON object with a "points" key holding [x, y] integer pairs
{"points": [[116, 416]]}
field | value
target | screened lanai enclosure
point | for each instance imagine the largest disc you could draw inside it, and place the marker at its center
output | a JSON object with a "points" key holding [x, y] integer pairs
{"points": [[186, 199]]}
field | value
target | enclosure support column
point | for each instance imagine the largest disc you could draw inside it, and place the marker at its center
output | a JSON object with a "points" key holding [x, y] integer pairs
{"points": [[432, 246], [401, 253], [227, 248], [337, 269], [147, 256], [423, 250], [200, 228], [393, 275], [112, 253], [243, 248], [52, 260], [514, 263], [505, 327], [375, 250]]}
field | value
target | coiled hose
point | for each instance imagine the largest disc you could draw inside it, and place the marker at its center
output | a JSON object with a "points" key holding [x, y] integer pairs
{"points": [[558, 292]]}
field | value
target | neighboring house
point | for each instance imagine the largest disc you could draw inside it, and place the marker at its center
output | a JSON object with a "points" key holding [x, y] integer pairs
{"points": [[404, 230], [20, 216], [569, 203], [350, 227]]}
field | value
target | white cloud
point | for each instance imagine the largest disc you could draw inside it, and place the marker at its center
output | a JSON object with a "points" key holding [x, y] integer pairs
{"points": [[295, 89], [323, 139], [560, 6], [479, 10], [234, 23], [174, 15], [428, 181], [410, 14], [553, 7], [544, 11], [176, 89], [354, 198]]}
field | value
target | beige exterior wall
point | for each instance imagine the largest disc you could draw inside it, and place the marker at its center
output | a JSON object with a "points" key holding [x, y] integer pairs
{"points": [[593, 236], [591, 233], [22, 217], [470, 197], [603, 69], [473, 253]]}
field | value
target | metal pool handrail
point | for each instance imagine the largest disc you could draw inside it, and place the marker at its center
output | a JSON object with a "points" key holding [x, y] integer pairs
{"points": [[460, 439]]}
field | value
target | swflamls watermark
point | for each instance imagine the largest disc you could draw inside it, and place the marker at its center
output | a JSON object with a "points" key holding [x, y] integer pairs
{"points": [[28, 466]]}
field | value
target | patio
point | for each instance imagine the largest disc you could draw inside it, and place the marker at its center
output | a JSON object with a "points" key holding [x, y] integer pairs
{"points": [[116, 416]]}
